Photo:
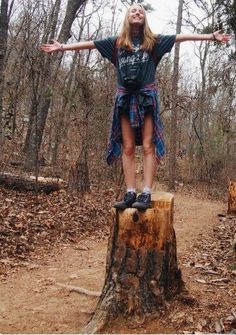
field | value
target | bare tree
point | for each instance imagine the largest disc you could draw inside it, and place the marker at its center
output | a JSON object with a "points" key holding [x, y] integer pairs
{"points": [[3, 48], [174, 108], [40, 107]]}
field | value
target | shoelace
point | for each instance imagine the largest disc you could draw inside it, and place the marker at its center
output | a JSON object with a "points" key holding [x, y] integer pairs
{"points": [[143, 197], [129, 196]]}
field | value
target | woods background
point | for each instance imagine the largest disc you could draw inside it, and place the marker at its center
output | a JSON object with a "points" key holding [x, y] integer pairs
{"points": [[55, 110]]}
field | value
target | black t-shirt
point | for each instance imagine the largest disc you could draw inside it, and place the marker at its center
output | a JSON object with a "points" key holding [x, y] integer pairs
{"points": [[144, 62]]}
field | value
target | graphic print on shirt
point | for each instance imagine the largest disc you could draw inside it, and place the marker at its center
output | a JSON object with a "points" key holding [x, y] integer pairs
{"points": [[131, 65], [130, 58]]}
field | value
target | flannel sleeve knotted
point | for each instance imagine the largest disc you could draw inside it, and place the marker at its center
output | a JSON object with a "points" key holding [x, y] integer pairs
{"points": [[136, 103]]}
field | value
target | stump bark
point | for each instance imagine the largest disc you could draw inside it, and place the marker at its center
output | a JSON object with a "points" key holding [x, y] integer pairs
{"points": [[232, 197], [141, 270]]}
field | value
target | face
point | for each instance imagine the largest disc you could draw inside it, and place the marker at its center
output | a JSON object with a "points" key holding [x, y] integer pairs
{"points": [[136, 15]]}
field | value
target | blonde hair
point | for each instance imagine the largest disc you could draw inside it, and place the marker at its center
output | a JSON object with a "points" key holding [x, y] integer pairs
{"points": [[148, 38]]}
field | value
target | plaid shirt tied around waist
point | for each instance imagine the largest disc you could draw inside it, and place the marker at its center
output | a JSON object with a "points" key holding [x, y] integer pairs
{"points": [[136, 103]]}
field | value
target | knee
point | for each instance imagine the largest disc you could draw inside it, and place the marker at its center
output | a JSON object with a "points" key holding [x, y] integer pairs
{"points": [[148, 149], [129, 150]]}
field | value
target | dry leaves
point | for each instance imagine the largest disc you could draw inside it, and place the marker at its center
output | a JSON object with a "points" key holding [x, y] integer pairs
{"points": [[213, 257], [29, 221], [212, 265]]}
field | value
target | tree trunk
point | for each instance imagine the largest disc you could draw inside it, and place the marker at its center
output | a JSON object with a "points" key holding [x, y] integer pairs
{"points": [[79, 174], [232, 198], [41, 93], [36, 127], [72, 8], [44, 89], [202, 154], [3, 48], [142, 270], [174, 116], [63, 115]]}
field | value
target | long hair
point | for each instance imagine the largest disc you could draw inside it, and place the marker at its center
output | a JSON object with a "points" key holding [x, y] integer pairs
{"points": [[148, 38]]}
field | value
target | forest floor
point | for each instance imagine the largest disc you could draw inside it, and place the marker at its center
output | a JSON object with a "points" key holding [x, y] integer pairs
{"points": [[31, 301]]}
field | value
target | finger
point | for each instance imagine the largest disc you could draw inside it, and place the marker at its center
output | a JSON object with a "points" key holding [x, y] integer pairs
{"points": [[47, 49], [55, 41], [219, 32]]}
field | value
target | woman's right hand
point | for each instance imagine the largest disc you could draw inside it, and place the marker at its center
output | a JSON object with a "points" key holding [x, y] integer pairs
{"points": [[51, 47]]}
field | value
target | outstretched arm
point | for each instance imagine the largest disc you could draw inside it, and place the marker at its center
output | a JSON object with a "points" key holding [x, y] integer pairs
{"points": [[216, 36], [56, 46]]}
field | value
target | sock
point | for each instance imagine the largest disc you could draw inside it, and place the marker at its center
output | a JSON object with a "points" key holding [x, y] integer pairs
{"points": [[147, 190], [131, 189]]}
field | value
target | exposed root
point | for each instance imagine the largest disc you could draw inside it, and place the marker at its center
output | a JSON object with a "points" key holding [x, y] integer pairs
{"points": [[97, 322]]}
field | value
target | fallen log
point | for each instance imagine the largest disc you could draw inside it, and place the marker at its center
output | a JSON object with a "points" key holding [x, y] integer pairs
{"points": [[141, 271], [21, 183]]}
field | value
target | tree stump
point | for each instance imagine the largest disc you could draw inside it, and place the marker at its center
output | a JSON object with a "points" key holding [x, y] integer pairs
{"points": [[232, 197], [141, 269]]}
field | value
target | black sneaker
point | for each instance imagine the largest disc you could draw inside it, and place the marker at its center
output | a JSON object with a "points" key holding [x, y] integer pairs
{"points": [[129, 199], [143, 201]]}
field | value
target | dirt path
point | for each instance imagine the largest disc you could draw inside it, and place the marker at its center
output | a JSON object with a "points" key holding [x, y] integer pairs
{"points": [[30, 302]]}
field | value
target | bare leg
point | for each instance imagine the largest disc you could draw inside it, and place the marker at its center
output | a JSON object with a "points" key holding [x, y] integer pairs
{"points": [[128, 153], [149, 159]]}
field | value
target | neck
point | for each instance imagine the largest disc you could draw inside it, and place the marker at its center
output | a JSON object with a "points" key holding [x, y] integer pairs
{"points": [[135, 31]]}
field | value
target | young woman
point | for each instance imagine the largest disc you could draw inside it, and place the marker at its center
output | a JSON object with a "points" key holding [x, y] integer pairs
{"points": [[136, 53]]}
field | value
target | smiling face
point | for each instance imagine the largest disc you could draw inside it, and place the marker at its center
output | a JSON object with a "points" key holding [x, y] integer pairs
{"points": [[135, 25], [136, 15]]}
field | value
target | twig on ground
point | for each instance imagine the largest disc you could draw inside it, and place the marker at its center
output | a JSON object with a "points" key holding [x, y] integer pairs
{"points": [[79, 290]]}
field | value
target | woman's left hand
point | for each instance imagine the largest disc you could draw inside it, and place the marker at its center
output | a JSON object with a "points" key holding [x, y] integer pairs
{"points": [[221, 37]]}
